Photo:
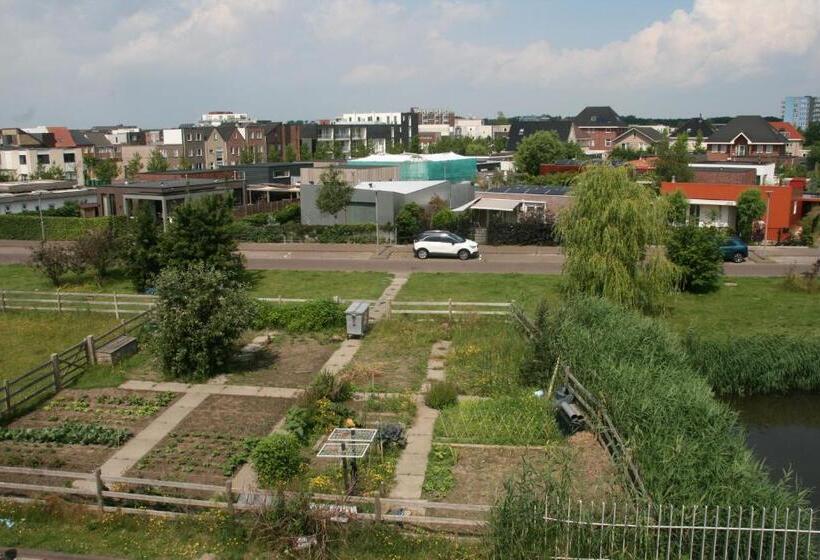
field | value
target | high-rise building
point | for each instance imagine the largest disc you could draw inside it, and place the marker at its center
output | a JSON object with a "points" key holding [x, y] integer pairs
{"points": [[801, 111]]}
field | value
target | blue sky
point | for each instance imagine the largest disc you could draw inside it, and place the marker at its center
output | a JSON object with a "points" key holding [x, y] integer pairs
{"points": [[162, 62]]}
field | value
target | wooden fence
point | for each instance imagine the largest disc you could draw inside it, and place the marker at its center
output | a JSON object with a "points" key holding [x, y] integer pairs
{"points": [[61, 369], [118, 304], [450, 308]]}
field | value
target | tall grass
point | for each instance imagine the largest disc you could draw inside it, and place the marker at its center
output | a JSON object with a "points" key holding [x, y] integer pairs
{"points": [[689, 447], [758, 364], [508, 420]]}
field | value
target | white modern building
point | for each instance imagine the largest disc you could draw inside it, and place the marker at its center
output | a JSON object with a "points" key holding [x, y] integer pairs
{"points": [[369, 118], [29, 196], [216, 118]]}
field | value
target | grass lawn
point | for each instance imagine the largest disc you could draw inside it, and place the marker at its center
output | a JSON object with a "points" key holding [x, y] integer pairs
{"points": [[527, 289], [754, 306], [271, 283], [319, 284], [28, 338]]}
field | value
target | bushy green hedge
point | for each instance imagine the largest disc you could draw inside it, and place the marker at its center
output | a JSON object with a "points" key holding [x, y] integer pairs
{"points": [[287, 214], [744, 365], [277, 233], [310, 316], [531, 232], [57, 229], [688, 445]]}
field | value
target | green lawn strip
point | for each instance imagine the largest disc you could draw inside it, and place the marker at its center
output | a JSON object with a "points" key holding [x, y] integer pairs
{"points": [[27, 278], [439, 479], [319, 284], [485, 356], [509, 420], [28, 338], [393, 356], [526, 289], [753, 306]]}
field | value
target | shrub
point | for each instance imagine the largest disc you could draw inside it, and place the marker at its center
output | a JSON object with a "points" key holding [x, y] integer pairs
{"points": [[53, 260], [97, 250], [328, 386], [441, 395], [141, 249], [310, 316], [750, 208], [200, 314], [777, 363], [409, 222], [696, 252], [276, 459], [532, 230], [27, 227], [392, 435]]}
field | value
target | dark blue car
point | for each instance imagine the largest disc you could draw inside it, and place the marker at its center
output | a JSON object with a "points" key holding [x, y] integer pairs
{"points": [[734, 249]]}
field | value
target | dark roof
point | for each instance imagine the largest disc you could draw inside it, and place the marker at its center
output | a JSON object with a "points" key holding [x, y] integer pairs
{"points": [[555, 190], [225, 131], [598, 116], [97, 138], [755, 128], [693, 126], [520, 129], [80, 139], [647, 132]]}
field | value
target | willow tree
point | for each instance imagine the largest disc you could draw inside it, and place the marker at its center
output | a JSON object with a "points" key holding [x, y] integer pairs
{"points": [[608, 233]]}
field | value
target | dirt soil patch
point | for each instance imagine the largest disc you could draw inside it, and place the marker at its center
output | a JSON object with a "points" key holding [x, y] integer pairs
{"points": [[289, 361], [206, 447], [113, 408], [480, 473]]}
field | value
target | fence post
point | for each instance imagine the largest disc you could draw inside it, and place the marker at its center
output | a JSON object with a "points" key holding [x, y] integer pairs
{"points": [[389, 308], [59, 302], [229, 495], [7, 395], [3, 300], [450, 310], [116, 306], [377, 504], [90, 354], [55, 370], [99, 488]]}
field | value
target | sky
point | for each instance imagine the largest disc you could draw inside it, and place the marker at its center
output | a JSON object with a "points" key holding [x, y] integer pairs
{"points": [[158, 63]]}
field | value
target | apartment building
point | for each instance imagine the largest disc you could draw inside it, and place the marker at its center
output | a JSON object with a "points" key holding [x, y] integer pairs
{"points": [[800, 111], [193, 139], [24, 153]]}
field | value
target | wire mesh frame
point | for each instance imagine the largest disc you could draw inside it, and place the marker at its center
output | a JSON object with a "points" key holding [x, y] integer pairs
{"points": [[365, 435], [343, 450], [589, 529]]}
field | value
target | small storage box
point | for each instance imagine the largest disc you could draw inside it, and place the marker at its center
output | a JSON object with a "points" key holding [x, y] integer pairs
{"points": [[358, 315]]}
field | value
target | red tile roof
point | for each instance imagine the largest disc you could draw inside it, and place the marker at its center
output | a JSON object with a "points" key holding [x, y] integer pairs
{"points": [[62, 137], [787, 129]]}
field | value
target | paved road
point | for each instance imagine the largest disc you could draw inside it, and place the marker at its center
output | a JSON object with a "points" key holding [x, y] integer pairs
{"points": [[765, 261]]}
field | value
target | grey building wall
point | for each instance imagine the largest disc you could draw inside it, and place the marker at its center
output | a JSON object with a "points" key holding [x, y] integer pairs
{"points": [[362, 209]]}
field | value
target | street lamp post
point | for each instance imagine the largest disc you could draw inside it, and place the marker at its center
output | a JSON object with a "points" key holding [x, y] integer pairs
{"points": [[39, 194]]}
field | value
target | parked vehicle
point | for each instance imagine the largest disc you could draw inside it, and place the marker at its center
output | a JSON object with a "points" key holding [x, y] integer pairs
{"points": [[734, 249], [444, 243]]}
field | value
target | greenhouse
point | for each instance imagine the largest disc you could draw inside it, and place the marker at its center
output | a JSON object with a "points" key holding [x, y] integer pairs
{"points": [[424, 167]]}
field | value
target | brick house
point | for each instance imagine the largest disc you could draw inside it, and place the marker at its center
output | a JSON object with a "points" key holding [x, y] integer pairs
{"points": [[597, 128], [638, 138], [746, 138], [716, 204], [795, 139]]}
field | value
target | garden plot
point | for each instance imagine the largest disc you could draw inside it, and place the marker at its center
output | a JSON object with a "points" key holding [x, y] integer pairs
{"points": [[213, 440], [79, 429], [393, 356], [288, 361]]}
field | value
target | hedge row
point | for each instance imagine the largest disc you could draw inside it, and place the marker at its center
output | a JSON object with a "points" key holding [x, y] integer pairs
{"points": [[521, 233], [277, 233], [56, 229]]}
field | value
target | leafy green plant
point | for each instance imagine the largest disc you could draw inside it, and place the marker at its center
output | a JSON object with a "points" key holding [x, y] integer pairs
{"points": [[696, 252], [276, 459], [311, 316], [441, 395], [69, 433], [328, 386], [239, 457], [392, 435], [439, 479]]}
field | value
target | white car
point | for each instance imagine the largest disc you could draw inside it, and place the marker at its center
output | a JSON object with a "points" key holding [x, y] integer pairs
{"points": [[444, 243]]}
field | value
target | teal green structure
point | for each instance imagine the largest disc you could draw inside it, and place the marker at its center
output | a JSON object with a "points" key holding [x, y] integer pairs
{"points": [[433, 167]]}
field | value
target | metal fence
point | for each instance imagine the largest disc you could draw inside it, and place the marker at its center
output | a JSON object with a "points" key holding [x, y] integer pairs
{"points": [[609, 530]]}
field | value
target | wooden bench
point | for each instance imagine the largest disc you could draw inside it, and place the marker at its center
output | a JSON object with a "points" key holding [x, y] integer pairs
{"points": [[119, 348]]}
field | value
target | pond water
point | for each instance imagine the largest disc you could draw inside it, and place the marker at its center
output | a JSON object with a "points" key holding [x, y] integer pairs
{"points": [[784, 431]]}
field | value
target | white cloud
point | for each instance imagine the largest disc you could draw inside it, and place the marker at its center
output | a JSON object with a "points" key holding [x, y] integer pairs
{"points": [[377, 74]]}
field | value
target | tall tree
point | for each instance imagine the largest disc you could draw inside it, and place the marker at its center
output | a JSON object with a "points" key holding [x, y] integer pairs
{"points": [[673, 161], [290, 154], [133, 166], [541, 147], [202, 231], [334, 194], [323, 151], [142, 251], [156, 162], [185, 164], [247, 155], [338, 150], [812, 134], [415, 145], [677, 208], [105, 170], [750, 208], [360, 149], [696, 252], [607, 233], [274, 154], [699, 147]]}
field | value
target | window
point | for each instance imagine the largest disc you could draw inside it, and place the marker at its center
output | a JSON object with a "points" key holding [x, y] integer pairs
{"points": [[68, 158], [22, 159], [199, 137], [769, 148], [190, 153], [608, 142], [715, 148], [43, 159], [740, 150], [199, 151], [189, 137]]}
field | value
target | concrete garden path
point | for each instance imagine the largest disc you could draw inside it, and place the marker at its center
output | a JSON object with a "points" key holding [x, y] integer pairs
{"points": [[412, 464]]}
